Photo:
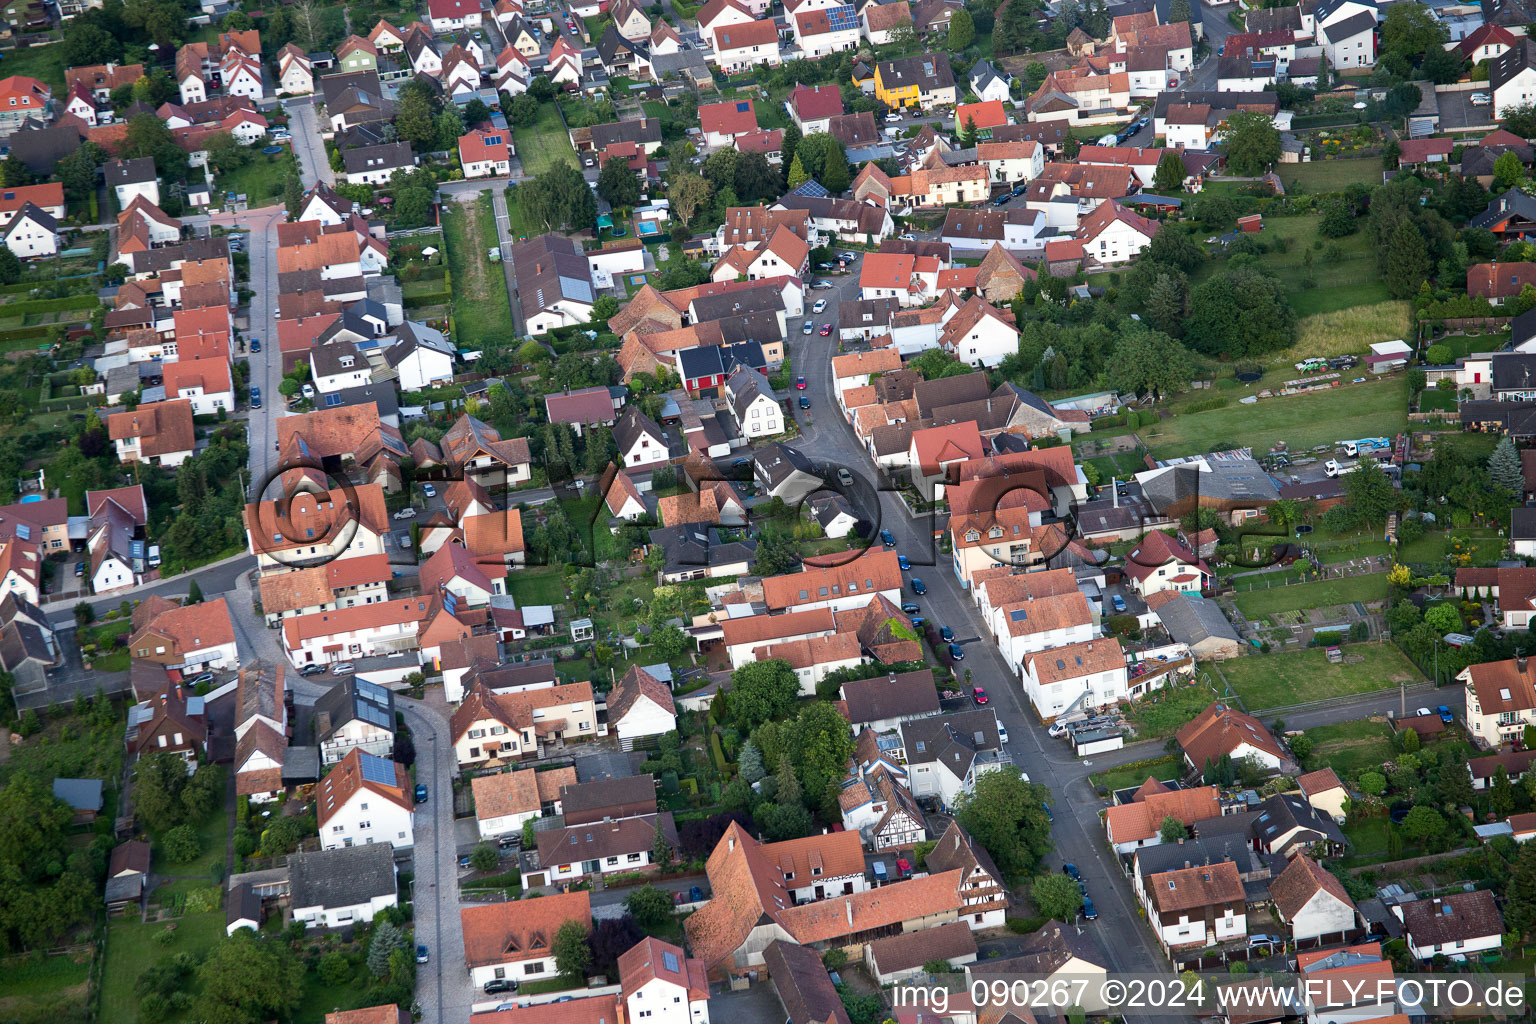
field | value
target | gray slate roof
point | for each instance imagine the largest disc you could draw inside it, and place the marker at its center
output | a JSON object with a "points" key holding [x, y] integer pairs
{"points": [[1191, 619], [344, 877]]}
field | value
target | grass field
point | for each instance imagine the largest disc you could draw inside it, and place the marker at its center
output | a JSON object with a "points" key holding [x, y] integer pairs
{"points": [[1485, 547], [1348, 331], [1331, 175], [48, 990], [1117, 464], [130, 949], [43, 62], [1257, 604], [1465, 344], [1349, 747], [538, 586], [261, 180], [521, 226], [213, 840], [1277, 680], [1162, 769], [1437, 400], [1376, 408], [1164, 713], [482, 314], [544, 143], [1341, 272]]}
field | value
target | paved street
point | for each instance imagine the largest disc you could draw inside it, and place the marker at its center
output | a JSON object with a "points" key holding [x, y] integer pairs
{"points": [[1077, 832], [307, 145]]}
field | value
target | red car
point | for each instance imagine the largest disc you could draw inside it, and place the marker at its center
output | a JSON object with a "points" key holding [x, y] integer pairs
{"points": [[826, 329], [800, 383], [979, 694]]}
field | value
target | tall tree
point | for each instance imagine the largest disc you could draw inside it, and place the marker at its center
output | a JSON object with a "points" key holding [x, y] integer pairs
{"points": [[293, 196], [1251, 142], [1169, 176], [1407, 261], [1056, 897], [688, 193], [573, 954], [617, 183], [962, 30], [1006, 815], [819, 745], [1504, 470], [1166, 304], [1149, 363], [797, 173], [761, 691], [245, 980]]}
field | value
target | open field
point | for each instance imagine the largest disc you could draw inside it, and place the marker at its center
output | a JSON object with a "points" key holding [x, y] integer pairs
{"points": [[1162, 769], [1331, 175], [537, 586], [544, 143], [47, 990], [482, 314], [130, 949], [1376, 408], [1278, 680], [1319, 275], [1348, 331], [1485, 547], [1257, 604], [261, 180], [1349, 747]]}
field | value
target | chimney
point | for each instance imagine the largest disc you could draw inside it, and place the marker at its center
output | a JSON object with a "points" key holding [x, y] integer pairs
{"points": [[730, 844], [1520, 663], [848, 906]]}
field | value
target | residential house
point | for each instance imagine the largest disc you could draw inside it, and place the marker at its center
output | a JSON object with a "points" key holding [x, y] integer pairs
{"points": [[515, 941], [924, 81], [1114, 234], [173, 722], [422, 356], [1131, 826], [1161, 562], [1222, 731], [505, 800], [1324, 791], [32, 233], [882, 703], [661, 985], [904, 957], [337, 888], [1455, 926], [1500, 700], [506, 727], [1312, 901], [355, 714], [622, 845], [640, 705], [813, 107], [476, 451], [185, 638], [1085, 675], [485, 153], [366, 799], [206, 383], [554, 282], [741, 46], [945, 756], [1197, 906], [983, 889], [822, 30]]}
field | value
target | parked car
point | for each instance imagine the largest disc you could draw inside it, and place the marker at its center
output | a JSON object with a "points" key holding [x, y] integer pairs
{"points": [[406, 513], [845, 478], [1422, 712], [429, 490], [421, 792], [978, 694], [908, 237], [847, 256], [807, 327], [255, 397], [307, 390], [255, 344], [341, 668], [902, 563], [799, 383], [1070, 870], [423, 954], [79, 569], [893, 118], [919, 587], [1117, 602], [958, 654], [1002, 732], [1047, 807], [695, 894], [1480, 99], [826, 330], [1003, 200], [946, 634], [1090, 912], [496, 985], [311, 670], [820, 305], [909, 608], [1264, 940], [1445, 714], [200, 679], [887, 538], [823, 284], [1056, 731], [805, 403]]}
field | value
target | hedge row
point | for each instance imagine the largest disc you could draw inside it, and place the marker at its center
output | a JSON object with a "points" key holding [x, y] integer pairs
{"points": [[426, 299], [67, 304], [38, 334]]}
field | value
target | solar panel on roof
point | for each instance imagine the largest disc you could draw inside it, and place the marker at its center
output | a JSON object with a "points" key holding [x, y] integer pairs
{"points": [[373, 692], [374, 715], [378, 770], [743, 106], [842, 18], [669, 960]]}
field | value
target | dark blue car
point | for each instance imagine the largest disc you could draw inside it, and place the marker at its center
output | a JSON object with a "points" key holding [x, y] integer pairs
{"points": [[919, 587], [1090, 912], [947, 634], [1070, 870], [888, 538], [902, 563]]}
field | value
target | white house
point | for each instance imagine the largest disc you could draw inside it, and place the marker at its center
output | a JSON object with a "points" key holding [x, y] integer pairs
{"points": [[1092, 671], [1312, 901], [336, 888], [1012, 162], [983, 890], [825, 30], [295, 72], [640, 705], [421, 355], [753, 404], [661, 985], [1456, 926], [452, 15], [505, 800], [485, 152], [1197, 906], [329, 637], [32, 233], [355, 715], [366, 799], [1512, 77], [514, 941], [337, 366], [1114, 234], [616, 846], [640, 440], [945, 756], [739, 47], [979, 335], [206, 383]]}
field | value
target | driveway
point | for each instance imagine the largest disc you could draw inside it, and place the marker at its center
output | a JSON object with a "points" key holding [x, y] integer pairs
{"points": [[307, 145]]}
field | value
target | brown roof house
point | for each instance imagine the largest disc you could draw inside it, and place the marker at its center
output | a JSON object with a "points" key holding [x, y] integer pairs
{"points": [[803, 986], [174, 722], [640, 705], [622, 845], [982, 886], [514, 941], [1312, 901], [159, 433], [654, 973], [1055, 951], [476, 451], [1197, 906], [1222, 731], [507, 799], [903, 956], [1325, 792], [1139, 823], [1457, 926]]}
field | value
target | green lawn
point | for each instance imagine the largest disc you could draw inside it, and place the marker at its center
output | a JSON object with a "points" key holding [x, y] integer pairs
{"points": [[213, 840], [482, 313], [1257, 604], [50, 990], [544, 143], [1166, 711], [321, 999], [1295, 677], [1331, 175], [1437, 400], [130, 949], [1162, 769], [1117, 464], [261, 180], [1376, 408], [537, 586], [1349, 747], [1341, 272], [520, 225], [1486, 548], [1465, 344], [1328, 299], [1369, 837], [43, 62]]}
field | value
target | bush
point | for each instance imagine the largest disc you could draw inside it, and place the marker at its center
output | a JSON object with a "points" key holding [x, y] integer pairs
{"points": [[334, 969], [1025, 925], [181, 845]]}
